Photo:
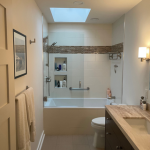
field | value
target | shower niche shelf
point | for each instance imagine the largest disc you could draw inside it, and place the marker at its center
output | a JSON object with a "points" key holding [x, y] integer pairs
{"points": [[60, 78], [60, 61]]}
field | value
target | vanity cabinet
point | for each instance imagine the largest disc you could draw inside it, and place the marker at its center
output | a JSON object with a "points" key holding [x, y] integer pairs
{"points": [[114, 138]]}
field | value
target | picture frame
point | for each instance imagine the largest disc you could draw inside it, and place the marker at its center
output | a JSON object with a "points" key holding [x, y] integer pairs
{"points": [[20, 54]]}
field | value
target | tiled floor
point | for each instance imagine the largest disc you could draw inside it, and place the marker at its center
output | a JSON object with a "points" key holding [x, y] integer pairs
{"points": [[73, 142]]}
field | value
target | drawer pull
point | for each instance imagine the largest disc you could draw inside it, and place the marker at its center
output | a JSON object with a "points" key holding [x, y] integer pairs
{"points": [[107, 133], [119, 147], [108, 118]]}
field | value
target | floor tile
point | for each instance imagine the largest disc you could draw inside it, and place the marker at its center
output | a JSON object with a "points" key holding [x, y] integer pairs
{"points": [[90, 139], [51, 140], [64, 139], [81, 147], [80, 140], [93, 148], [67, 142], [46, 146], [64, 147]]}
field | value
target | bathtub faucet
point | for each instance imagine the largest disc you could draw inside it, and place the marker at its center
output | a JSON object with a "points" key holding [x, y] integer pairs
{"points": [[79, 84]]}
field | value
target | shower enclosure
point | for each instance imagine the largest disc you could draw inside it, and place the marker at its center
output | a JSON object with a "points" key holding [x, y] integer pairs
{"points": [[78, 70], [88, 74], [89, 71]]}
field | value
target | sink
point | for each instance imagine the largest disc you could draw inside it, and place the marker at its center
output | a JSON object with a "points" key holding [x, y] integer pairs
{"points": [[140, 126]]}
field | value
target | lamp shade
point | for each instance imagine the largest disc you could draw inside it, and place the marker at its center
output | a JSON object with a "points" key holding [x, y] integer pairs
{"points": [[142, 52]]}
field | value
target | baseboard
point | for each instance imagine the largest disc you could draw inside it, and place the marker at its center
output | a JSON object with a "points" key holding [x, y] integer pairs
{"points": [[41, 141]]}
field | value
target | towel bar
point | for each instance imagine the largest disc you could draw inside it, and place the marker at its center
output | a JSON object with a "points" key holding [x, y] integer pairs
{"points": [[22, 91]]}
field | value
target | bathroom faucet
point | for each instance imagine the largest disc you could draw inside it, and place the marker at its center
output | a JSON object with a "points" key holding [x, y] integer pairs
{"points": [[79, 84]]}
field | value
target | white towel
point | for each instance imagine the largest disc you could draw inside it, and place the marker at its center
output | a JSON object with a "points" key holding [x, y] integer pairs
{"points": [[30, 112], [23, 135]]}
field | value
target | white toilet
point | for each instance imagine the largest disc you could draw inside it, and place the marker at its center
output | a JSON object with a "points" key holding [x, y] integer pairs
{"points": [[99, 126]]}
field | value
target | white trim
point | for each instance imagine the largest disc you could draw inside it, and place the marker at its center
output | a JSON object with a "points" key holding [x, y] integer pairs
{"points": [[41, 141]]}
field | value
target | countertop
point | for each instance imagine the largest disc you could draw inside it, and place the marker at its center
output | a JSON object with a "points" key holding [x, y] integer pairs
{"points": [[119, 112]]}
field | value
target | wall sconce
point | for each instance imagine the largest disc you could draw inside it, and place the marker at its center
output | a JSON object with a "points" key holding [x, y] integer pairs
{"points": [[32, 41], [144, 54]]}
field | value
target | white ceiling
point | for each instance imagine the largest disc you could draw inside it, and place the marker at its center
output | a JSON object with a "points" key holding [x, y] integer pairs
{"points": [[108, 11]]}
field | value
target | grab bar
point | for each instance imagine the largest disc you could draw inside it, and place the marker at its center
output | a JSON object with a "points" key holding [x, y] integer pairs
{"points": [[78, 88]]}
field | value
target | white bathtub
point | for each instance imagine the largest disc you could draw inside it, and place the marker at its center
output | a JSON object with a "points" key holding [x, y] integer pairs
{"points": [[72, 116], [75, 103]]}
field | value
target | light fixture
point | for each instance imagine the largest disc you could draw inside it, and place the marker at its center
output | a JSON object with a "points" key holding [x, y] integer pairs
{"points": [[144, 53], [78, 3]]}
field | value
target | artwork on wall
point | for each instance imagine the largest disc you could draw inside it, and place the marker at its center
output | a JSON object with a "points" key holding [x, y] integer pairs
{"points": [[20, 54]]}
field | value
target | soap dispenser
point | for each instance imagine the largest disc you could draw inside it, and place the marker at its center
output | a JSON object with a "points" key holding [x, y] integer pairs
{"points": [[144, 105], [141, 101]]}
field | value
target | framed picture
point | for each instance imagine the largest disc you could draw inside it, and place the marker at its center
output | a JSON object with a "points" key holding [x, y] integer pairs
{"points": [[20, 54]]}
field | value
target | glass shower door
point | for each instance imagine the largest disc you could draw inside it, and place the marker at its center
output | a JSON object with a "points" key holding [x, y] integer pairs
{"points": [[83, 70]]}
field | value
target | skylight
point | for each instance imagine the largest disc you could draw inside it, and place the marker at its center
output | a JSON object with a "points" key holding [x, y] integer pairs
{"points": [[70, 14]]}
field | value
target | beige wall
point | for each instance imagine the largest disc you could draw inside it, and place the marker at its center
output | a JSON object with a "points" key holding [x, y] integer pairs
{"points": [[27, 19], [137, 29], [45, 57], [148, 94], [45, 27], [68, 34], [118, 31], [116, 79]]}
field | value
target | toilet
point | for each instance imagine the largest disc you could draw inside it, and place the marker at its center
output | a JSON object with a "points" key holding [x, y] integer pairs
{"points": [[98, 125], [99, 137]]}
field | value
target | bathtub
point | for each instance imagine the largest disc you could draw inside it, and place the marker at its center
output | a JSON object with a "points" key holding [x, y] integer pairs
{"points": [[75, 103], [72, 116]]}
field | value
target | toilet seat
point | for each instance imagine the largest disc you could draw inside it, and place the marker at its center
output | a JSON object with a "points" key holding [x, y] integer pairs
{"points": [[99, 121]]}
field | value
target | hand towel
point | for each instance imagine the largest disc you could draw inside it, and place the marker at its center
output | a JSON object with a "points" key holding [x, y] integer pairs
{"points": [[23, 135], [29, 96]]}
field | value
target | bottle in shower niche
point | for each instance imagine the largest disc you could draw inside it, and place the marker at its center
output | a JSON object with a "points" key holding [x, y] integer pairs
{"points": [[58, 84], [55, 66], [64, 66], [64, 83], [60, 67]]}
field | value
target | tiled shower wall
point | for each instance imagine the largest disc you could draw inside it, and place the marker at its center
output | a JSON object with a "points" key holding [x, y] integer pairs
{"points": [[68, 34], [116, 79], [93, 70]]}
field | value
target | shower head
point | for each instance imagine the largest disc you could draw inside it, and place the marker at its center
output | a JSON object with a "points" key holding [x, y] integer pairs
{"points": [[54, 44]]}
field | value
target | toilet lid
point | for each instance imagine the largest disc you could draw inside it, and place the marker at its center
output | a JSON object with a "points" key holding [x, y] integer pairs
{"points": [[99, 121]]}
